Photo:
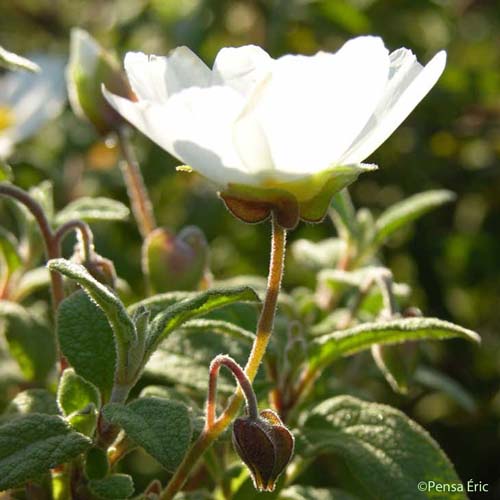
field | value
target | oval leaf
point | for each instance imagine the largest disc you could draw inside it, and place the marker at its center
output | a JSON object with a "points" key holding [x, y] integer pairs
{"points": [[389, 453], [33, 444], [162, 427], [116, 486], [87, 341]]}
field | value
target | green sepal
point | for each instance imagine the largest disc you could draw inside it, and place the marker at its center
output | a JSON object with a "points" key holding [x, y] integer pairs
{"points": [[307, 198]]}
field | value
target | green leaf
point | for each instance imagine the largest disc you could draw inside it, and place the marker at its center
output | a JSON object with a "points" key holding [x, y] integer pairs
{"points": [[158, 303], [116, 486], [9, 251], [33, 444], [96, 463], [220, 327], [327, 348], [75, 393], [406, 211], [121, 323], [388, 453], [162, 427], [33, 401], [204, 302], [297, 492], [86, 341], [79, 401], [30, 341], [93, 209], [128, 349], [183, 359]]}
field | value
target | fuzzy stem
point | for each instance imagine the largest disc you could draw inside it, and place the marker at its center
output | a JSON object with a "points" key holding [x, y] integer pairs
{"points": [[52, 250], [241, 377], [84, 232], [264, 329], [137, 192]]}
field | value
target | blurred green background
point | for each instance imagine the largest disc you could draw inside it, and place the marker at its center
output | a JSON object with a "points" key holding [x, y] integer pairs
{"points": [[452, 140]]}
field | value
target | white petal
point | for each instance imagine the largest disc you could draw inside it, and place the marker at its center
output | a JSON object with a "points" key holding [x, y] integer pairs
{"points": [[33, 98], [155, 78], [194, 126], [250, 139], [314, 107], [409, 84], [241, 68], [6, 147]]}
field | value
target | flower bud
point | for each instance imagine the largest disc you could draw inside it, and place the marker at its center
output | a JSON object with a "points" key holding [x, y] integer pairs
{"points": [[90, 66], [102, 269], [265, 445], [173, 262]]}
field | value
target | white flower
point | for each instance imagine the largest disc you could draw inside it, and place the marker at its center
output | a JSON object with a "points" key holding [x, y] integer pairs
{"points": [[292, 124], [28, 100]]}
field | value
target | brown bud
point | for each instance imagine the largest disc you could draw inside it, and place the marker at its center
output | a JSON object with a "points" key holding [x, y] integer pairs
{"points": [[265, 445]]}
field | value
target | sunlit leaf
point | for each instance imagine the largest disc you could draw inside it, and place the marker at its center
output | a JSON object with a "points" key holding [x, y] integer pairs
{"points": [[389, 453], [329, 347]]}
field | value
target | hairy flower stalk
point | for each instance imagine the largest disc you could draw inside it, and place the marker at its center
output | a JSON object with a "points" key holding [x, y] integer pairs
{"points": [[264, 330]]}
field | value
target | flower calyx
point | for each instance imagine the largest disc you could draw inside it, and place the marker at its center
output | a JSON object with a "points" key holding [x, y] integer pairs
{"points": [[306, 198], [265, 445]]}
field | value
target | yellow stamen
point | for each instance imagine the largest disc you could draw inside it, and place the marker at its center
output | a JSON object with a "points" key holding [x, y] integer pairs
{"points": [[6, 117]]}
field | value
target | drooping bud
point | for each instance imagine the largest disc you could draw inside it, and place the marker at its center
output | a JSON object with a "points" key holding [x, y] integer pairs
{"points": [[90, 66], [173, 262], [265, 445]]}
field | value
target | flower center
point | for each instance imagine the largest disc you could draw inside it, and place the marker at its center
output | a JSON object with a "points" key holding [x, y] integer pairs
{"points": [[6, 117]]}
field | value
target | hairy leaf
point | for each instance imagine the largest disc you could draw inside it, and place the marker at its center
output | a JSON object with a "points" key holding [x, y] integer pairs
{"points": [[220, 327], [183, 359], [86, 340], [115, 486], [75, 393], [204, 302], [162, 427], [158, 303], [33, 444], [32, 401], [329, 347], [79, 400], [121, 323], [93, 209], [408, 210], [388, 453]]}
